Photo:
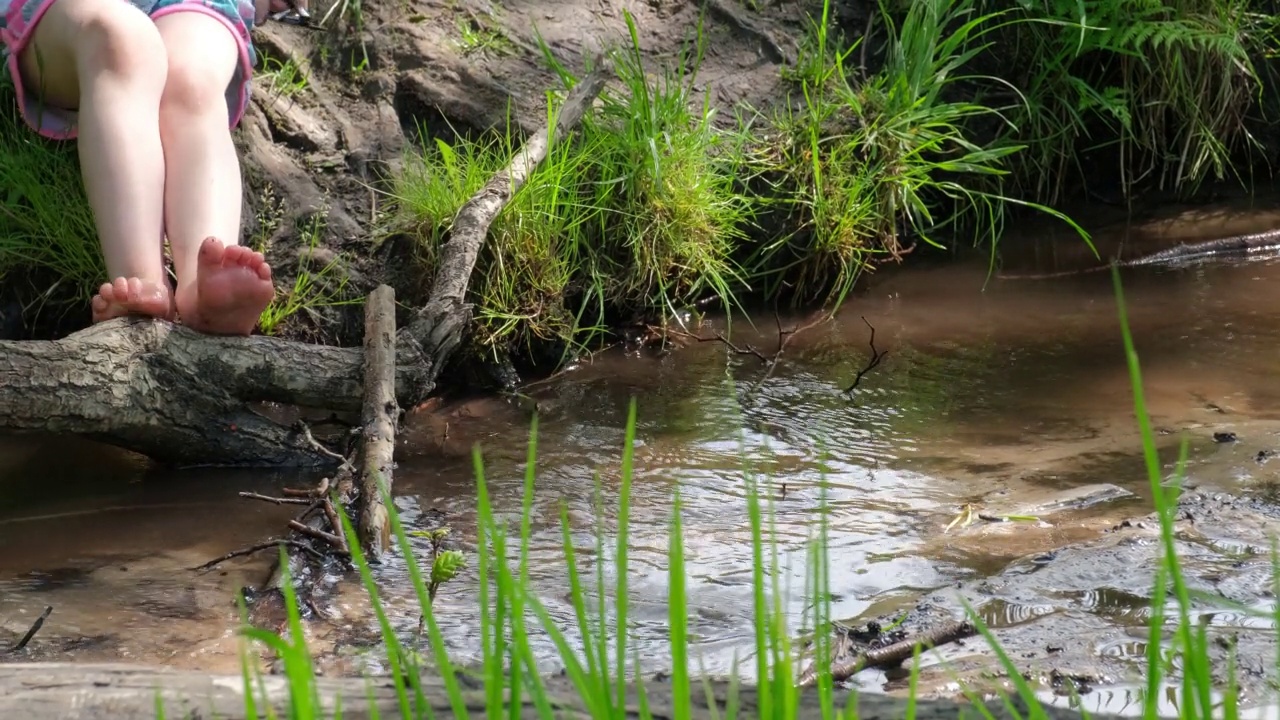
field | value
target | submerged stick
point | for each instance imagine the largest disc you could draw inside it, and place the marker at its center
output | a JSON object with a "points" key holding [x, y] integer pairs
{"points": [[35, 628], [379, 419], [892, 655]]}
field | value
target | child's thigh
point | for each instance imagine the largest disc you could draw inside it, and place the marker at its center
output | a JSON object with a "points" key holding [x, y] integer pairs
{"points": [[48, 38]]}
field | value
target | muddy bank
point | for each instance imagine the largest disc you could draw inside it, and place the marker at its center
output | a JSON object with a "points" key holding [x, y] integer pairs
{"points": [[1074, 618]]}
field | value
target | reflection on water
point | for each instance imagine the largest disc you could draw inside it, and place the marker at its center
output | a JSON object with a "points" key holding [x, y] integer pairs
{"points": [[996, 393], [991, 393]]}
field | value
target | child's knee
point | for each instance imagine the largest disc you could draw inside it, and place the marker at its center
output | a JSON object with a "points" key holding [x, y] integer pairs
{"points": [[202, 60]]}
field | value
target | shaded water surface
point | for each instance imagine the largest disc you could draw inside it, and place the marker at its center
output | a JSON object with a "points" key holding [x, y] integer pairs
{"points": [[1006, 395]]}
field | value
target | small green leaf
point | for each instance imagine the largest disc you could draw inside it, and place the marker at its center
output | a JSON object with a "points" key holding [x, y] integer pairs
{"points": [[446, 566]]}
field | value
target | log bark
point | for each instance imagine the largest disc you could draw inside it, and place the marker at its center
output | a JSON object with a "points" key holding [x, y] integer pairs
{"points": [[179, 397], [74, 691], [379, 419]]}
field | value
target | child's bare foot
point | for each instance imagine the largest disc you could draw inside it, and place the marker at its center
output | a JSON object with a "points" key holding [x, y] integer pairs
{"points": [[132, 296], [232, 288]]}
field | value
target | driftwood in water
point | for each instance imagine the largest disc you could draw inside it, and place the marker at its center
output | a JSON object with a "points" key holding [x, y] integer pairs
{"points": [[74, 691], [892, 655], [180, 397]]}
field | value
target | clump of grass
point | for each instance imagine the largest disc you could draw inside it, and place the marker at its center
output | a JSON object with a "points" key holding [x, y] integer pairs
{"points": [[475, 35], [638, 210], [1168, 85], [45, 220], [873, 161], [311, 289], [665, 180], [285, 78], [527, 267]]}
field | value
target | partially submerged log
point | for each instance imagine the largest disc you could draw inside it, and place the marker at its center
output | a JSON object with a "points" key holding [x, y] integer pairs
{"points": [[180, 397], [74, 691]]}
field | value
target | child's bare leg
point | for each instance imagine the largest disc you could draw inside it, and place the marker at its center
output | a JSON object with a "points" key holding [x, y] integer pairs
{"points": [[106, 60], [222, 287]]}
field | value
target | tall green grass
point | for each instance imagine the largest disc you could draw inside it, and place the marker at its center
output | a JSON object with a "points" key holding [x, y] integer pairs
{"points": [[45, 220], [879, 163], [604, 671], [639, 209], [1169, 90], [653, 206]]}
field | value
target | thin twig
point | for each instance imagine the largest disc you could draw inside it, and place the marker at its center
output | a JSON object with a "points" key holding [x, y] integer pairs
{"points": [[311, 440], [719, 337], [784, 338], [276, 500], [335, 524], [318, 491], [256, 548], [35, 628], [771, 362], [318, 534], [876, 357], [587, 360]]}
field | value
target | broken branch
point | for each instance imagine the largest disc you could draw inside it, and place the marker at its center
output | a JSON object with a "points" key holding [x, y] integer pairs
{"points": [[438, 327], [892, 655], [379, 420]]}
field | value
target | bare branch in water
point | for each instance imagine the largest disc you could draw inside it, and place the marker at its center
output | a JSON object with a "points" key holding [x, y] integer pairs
{"points": [[876, 357], [256, 548]]}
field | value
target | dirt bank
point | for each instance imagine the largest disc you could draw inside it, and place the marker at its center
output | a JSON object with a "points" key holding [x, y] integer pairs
{"points": [[335, 110]]}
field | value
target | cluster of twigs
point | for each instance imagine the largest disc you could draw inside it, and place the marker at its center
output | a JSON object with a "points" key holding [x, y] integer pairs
{"points": [[785, 336]]}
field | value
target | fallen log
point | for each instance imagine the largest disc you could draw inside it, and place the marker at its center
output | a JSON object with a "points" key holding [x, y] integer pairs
{"points": [[75, 691], [177, 396], [180, 397]]}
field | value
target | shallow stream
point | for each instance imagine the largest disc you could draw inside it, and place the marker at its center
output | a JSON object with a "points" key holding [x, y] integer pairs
{"points": [[999, 393]]}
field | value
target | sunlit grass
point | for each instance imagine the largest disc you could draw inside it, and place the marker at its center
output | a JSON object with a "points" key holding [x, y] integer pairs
{"points": [[638, 210], [874, 165], [45, 220]]}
